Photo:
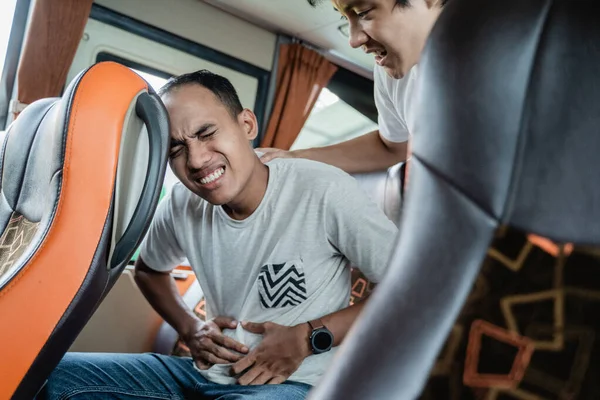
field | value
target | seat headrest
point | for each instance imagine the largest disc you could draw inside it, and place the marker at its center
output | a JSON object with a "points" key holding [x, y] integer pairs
{"points": [[385, 189], [60, 157], [509, 114]]}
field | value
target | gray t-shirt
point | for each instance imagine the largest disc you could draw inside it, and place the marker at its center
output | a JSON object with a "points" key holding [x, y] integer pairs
{"points": [[287, 263]]}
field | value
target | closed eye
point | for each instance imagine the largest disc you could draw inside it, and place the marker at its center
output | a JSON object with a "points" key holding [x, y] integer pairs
{"points": [[206, 135], [175, 151], [363, 14]]}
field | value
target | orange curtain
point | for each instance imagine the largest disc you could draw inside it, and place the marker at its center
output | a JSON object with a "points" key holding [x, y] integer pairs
{"points": [[54, 33], [301, 75]]}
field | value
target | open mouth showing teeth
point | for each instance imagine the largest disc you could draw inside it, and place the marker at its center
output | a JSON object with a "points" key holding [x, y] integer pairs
{"points": [[380, 56], [213, 177]]}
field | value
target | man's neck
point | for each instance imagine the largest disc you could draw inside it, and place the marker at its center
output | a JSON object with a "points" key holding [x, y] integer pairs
{"points": [[251, 195]]}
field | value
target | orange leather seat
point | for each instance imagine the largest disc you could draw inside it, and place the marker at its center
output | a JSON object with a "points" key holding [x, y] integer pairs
{"points": [[80, 179]]}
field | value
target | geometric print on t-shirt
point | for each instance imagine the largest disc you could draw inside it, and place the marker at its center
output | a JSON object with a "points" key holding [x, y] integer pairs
{"points": [[282, 285]]}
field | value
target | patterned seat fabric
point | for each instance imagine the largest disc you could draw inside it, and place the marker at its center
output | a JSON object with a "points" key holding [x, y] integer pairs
{"points": [[529, 327], [17, 235]]}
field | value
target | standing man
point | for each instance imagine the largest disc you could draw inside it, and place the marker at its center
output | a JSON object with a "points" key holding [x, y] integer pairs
{"points": [[395, 32]]}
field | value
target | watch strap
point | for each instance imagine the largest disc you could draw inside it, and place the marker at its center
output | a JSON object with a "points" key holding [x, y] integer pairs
{"points": [[316, 324]]}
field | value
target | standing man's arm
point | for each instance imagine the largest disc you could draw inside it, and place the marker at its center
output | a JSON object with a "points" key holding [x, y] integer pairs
{"points": [[367, 153], [374, 151]]}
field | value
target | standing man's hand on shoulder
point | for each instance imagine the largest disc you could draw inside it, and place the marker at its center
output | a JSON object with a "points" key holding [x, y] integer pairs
{"points": [[279, 354], [370, 152], [270, 153], [209, 345]]}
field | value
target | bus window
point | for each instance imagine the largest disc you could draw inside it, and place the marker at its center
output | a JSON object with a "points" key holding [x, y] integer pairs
{"points": [[332, 121], [7, 12], [155, 81]]}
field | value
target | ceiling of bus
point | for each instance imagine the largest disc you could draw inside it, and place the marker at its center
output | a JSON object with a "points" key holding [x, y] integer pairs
{"points": [[318, 26]]}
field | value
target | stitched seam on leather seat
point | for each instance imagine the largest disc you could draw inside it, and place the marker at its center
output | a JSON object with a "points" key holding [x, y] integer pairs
{"points": [[29, 153], [522, 138], [2, 152], [455, 187]]}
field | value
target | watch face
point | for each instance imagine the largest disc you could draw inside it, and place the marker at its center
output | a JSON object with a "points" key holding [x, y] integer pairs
{"points": [[322, 340]]}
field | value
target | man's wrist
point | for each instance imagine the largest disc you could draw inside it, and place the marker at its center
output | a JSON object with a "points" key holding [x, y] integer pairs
{"points": [[303, 153], [303, 332], [188, 329]]}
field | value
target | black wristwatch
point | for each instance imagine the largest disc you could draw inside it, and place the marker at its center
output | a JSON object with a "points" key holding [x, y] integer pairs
{"points": [[321, 338]]}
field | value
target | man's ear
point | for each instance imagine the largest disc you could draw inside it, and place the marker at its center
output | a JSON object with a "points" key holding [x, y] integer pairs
{"points": [[248, 121]]}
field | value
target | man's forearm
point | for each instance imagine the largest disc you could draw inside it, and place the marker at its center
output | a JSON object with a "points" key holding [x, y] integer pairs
{"points": [[161, 292], [339, 322], [366, 153]]}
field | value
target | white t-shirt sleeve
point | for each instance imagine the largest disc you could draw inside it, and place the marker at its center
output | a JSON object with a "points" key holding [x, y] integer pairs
{"points": [[358, 228], [391, 125], [160, 249]]}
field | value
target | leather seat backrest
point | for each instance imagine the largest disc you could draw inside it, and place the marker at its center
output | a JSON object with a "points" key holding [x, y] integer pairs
{"points": [[385, 189], [506, 137], [79, 182]]}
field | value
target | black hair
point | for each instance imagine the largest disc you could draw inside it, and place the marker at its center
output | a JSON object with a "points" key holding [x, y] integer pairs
{"points": [[219, 85], [401, 3]]}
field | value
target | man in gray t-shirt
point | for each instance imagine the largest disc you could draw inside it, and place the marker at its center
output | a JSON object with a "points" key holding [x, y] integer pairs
{"points": [[271, 246]]}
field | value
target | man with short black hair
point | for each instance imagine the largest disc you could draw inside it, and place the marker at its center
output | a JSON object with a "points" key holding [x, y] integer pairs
{"points": [[395, 32], [271, 245]]}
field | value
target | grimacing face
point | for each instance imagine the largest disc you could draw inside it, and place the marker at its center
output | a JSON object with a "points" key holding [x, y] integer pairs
{"points": [[395, 35], [210, 149]]}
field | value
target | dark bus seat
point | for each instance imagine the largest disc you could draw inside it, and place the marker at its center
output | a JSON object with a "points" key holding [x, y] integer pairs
{"points": [[385, 188], [505, 151], [80, 177]]}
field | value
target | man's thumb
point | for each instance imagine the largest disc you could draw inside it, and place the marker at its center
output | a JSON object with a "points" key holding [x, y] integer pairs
{"points": [[254, 327], [266, 157], [225, 322]]}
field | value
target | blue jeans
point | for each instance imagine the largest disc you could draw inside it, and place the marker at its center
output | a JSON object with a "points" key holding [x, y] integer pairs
{"points": [[149, 376]]}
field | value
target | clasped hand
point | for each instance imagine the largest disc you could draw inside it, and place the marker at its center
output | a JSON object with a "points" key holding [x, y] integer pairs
{"points": [[277, 356], [208, 345]]}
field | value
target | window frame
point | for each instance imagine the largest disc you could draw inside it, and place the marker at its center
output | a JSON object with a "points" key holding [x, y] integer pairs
{"points": [[355, 90], [13, 54], [106, 56], [147, 31]]}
